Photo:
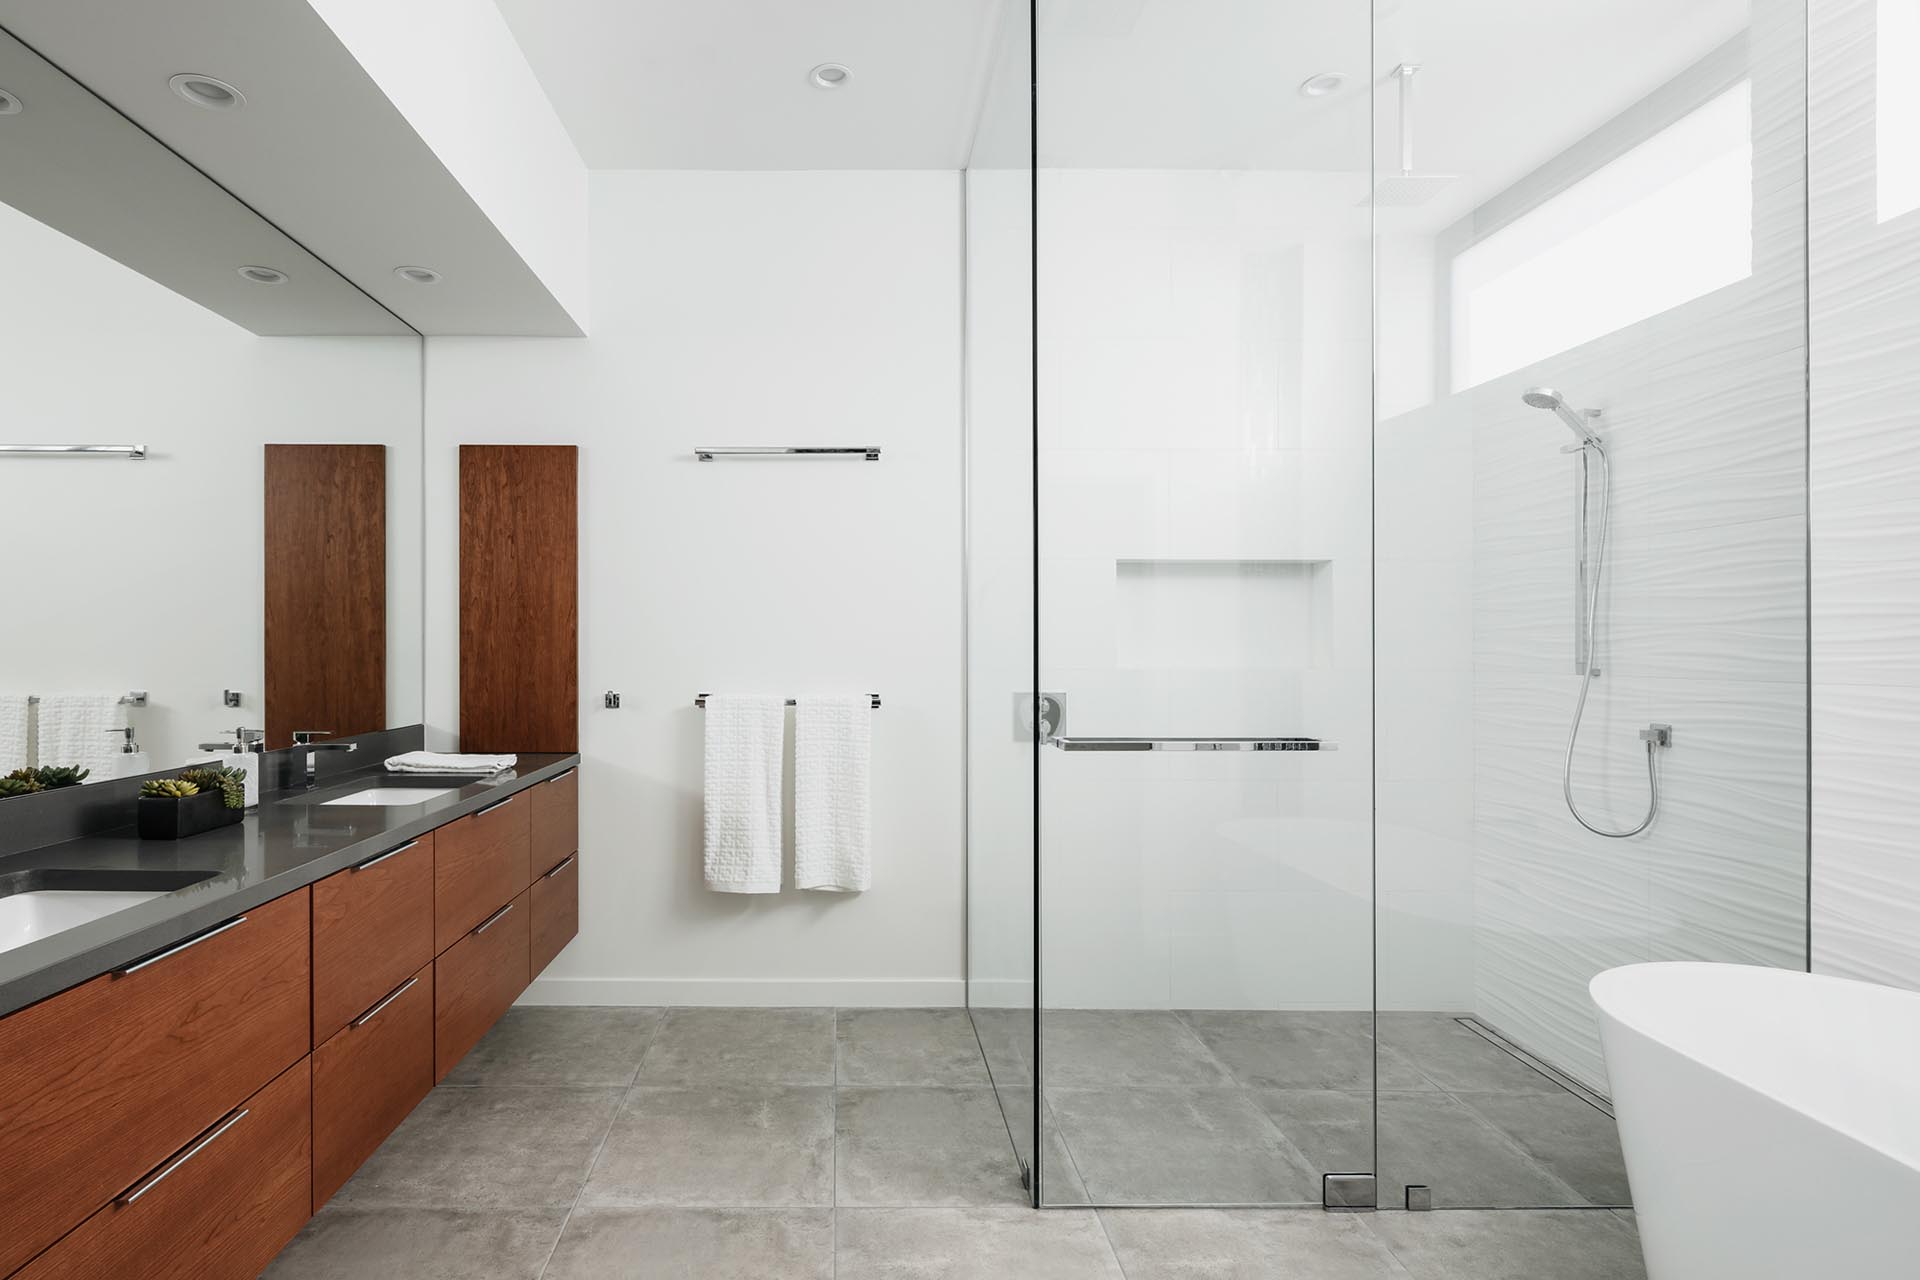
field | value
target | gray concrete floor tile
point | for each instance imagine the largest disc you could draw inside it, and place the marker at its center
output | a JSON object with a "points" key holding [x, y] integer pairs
{"points": [[695, 1244], [421, 1244], [973, 1244], [1567, 1244], [733, 1145], [1247, 1244], [486, 1148], [740, 1046], [564, 1047], [909, 1047]]}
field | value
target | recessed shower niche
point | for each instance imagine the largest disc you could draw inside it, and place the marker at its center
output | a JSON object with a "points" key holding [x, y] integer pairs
{"points": [[1223, 615]]}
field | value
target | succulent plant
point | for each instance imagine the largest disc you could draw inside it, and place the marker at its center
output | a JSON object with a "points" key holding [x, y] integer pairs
{"points": [[230, 783], [52, 776], [13, 785], [24, 775], [170, 788]]}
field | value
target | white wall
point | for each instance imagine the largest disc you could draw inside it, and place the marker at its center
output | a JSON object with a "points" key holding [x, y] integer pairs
{"points": [[148, 575], [1865, 469], [1703, 626], [745, 308]]}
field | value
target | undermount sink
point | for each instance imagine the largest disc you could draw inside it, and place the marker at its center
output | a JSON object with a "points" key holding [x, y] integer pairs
{"points": [[393, 795], [35, 904]]}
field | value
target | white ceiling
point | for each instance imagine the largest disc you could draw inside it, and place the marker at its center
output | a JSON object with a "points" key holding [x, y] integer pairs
{"points": [[723, 84], [1199, 84], [318, 150]]}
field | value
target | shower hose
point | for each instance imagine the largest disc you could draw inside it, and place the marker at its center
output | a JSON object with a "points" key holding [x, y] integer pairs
{"points": [[1586, 675]]}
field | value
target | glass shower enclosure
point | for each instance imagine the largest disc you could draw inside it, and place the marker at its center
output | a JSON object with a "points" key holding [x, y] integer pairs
{"points": [[1386, 606]]}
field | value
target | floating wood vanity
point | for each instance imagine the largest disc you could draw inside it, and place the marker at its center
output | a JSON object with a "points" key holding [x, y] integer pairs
{"points": [[186, 1113]]}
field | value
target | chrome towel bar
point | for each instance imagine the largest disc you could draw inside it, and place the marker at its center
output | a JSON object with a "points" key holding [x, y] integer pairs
{"points": [[700, 700], [137, 698], [1193, 744], [707, 453], [134, 451]]}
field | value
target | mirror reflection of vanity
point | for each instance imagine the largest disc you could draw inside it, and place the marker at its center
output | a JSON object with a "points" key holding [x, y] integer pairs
{"points": [[248, 554]]}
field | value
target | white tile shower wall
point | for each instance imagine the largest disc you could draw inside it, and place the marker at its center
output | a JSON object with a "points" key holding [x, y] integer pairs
{"points": [[1204, 368], [746, 308], [97, 353], [1866, 516], [1704, 612]]}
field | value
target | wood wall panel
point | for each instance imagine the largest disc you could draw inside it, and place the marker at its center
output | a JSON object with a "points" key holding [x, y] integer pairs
{"points": [[326, 589], [519, 598]]}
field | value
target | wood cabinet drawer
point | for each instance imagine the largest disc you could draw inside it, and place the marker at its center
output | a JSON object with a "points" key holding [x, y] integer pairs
{"points": [[222, 1206], [556, 911], [372, 929], [367, 1077], [479, 862], [101, 1083], [556, 821], [477, 979]]}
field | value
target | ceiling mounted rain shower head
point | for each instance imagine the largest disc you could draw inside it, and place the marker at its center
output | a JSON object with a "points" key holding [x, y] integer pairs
{"points": [[1548, 398], [1408, 187]]}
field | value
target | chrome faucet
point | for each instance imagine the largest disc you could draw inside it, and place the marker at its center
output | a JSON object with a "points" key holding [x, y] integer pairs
{"points": [[305, 738], [243, 742]]}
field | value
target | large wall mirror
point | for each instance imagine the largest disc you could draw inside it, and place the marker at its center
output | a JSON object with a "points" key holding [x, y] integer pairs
{"points": [[259, 567]]}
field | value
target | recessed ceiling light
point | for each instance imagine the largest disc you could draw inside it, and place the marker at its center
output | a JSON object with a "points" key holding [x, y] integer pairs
{"points": [[263, 275], [417, 275], [1323, 84], [9, 105], [830, 75], [205, 91]]}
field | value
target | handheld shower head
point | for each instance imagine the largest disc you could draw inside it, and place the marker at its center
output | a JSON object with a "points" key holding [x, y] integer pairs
{"points": [[1548, 398]]}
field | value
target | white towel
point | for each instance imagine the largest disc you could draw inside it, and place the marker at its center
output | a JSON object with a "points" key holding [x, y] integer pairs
{"points": [[832, 786], [743, 756], [14, 711], [446, 762], [83, 730]]}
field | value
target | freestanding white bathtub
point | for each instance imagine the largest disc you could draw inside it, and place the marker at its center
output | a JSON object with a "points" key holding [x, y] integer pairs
{"points": [[1770, 1120]]}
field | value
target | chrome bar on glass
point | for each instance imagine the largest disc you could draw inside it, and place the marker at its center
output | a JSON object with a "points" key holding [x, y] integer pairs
{"points": [[134, 451], [700, 700], [707, 453], [1193, 744]]}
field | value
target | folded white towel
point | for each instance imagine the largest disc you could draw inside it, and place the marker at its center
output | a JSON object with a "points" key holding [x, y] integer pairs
{"points": [[14, 722], [743, 750], [83, 730], [832, 786], [447, 762]]}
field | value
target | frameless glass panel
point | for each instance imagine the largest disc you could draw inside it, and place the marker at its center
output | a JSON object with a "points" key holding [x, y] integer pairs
{"points": [[1001, 736], [1590, 518], [1205, 582]]}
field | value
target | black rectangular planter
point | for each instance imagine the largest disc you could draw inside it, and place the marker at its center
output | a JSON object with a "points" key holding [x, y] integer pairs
{"points": [[171, 818]]}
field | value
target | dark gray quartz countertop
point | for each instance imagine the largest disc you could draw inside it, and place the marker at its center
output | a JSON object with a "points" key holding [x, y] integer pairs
{"points": [[290, 841]]}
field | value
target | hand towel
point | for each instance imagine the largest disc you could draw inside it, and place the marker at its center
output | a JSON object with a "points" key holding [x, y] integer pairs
{"points": [[446, 762], [83, 730], [743, 750], [14, 721], [832, 786]]}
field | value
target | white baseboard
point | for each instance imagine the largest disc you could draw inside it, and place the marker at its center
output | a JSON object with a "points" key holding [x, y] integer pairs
{"points": [[844, 993]]}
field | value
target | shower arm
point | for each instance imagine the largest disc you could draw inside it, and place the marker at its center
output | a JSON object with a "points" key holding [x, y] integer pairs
{"points": [[1404, 73]]}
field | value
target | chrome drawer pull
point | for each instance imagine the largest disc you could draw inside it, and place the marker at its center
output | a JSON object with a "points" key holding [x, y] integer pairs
{"points": [[561, 866], [379, 858], [178, 947], [181, 1159], [395, 994], [489, 921], [495, 805], [568, 774]]}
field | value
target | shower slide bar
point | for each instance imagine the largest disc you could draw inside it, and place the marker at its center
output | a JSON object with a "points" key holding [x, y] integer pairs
{"points": [[1193, 744], [133, 451], [701, 701], [707, 453]]}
